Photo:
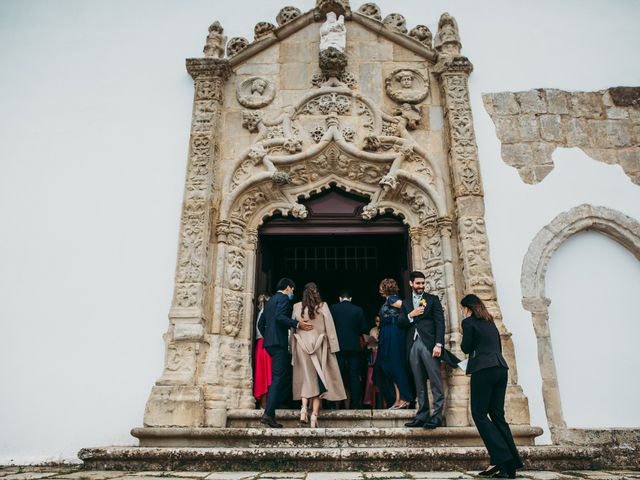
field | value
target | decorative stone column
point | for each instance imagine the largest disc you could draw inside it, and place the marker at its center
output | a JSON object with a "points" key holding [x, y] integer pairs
{"points": [[539, 308], [453, 71], [432, 254], [177, 399]]}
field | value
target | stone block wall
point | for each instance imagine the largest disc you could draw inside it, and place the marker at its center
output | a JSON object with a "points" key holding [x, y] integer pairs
{"points": [[532, 124]]}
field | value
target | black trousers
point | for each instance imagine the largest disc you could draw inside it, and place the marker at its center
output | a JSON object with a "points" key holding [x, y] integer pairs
{"points": [[280, 379], [488, 389], [350, 368]]}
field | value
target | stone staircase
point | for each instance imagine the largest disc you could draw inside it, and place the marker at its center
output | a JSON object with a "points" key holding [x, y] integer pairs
{"points": [[346, 440]]}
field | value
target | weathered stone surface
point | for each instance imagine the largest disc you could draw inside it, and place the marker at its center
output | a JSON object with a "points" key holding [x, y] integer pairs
{"points": [[353, 459], [532, 124], [532, 101]]}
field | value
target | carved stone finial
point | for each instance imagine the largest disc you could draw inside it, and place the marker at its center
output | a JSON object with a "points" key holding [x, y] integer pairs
{"points": [[423, 35], [395, 22], [447, 39], [216, 41], [332, 62], [262, 29], [371, 10], [236, 45], [287, 14], [339, 7]]}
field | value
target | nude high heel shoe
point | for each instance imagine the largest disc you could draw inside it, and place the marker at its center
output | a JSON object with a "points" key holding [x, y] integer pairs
{"points": [[304, 418], [314, 421]]}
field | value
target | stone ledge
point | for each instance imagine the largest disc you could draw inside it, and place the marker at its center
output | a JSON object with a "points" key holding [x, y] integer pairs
{"points": [[321, 437], [348, 459]]}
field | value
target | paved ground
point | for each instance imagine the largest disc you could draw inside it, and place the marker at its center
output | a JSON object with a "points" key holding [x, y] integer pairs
{"points": [[73, 472]]}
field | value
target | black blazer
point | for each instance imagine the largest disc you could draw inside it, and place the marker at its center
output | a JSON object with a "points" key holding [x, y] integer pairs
{"points": [[275, 322], [481, 341], [430, 326], [350, 324]]}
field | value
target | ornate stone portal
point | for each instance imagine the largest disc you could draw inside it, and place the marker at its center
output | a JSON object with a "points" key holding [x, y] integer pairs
{"points": [[271, 127]]}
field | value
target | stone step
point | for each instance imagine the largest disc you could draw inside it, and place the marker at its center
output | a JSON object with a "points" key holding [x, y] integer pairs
{"points": [[554, 458], [371, 437], [329, 418]]}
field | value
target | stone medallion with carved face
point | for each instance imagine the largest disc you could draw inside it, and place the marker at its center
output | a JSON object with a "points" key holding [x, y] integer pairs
{"points": [[407, 86], [255, 92]]}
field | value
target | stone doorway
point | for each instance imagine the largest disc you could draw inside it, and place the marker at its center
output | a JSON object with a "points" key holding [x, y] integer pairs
{"points": [[335, 248]]}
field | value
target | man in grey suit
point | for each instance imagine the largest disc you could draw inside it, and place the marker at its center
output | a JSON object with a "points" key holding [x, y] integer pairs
{"points": [[423, 317]]}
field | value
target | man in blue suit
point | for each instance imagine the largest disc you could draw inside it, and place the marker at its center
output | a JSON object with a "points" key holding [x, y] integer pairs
{"points": [[274, 325]]}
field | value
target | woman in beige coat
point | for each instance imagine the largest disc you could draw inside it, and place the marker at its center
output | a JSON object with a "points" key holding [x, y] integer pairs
{"points": [[316, 373]]}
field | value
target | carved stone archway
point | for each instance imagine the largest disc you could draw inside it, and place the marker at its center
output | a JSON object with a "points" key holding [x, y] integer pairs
{"points": [[394, 126], [621, 228]]}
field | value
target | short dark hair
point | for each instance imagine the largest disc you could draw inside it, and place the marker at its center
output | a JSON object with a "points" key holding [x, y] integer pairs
{"points": [[285, 282], [416, 274], [345, 293]]}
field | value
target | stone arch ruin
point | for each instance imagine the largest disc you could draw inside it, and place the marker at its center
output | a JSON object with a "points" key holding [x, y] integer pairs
{"points": [[621, 228]]}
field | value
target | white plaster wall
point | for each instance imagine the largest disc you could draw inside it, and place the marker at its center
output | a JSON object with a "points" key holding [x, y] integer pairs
{"points": [[95, 108]]}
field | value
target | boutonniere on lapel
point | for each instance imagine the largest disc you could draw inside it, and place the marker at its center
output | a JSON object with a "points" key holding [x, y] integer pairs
{"points": [[422, 303]]}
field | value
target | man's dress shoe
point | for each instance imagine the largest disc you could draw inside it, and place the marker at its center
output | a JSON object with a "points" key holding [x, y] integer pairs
{"points": [[431, 424], [414, 423], [270, 421]]}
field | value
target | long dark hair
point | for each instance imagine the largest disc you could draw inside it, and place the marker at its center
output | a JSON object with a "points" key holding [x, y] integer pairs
{"points": [[311, 300], [473, 303]]}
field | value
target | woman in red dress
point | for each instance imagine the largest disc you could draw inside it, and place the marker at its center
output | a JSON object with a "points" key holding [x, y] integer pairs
{"points": [[262, 376]]}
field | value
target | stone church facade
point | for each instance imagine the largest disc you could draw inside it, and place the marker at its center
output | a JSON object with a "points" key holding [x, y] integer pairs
{"points": [[280, 121]]}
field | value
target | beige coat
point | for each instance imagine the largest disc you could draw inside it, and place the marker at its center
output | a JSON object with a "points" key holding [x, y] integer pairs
{"points": [[313, 356]]}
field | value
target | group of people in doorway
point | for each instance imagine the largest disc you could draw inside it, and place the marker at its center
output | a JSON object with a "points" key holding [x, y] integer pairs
{"points": [[309, 352]]}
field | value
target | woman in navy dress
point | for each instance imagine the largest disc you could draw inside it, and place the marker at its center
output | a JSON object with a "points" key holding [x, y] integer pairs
{"points": [[391, 361]]}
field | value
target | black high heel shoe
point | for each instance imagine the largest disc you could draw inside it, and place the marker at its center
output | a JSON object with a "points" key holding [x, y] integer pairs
{"points": [[489, 472], [506, 470]]}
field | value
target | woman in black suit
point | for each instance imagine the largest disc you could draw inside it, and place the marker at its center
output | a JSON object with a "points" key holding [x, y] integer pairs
{"points": [[488, 370]]}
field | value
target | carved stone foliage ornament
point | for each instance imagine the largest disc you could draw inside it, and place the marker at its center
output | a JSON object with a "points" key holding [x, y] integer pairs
{"points": [[262, 29], [235, 268], [347, 78], [255, 92], [407, 86], [371, 10], [232, 312], [216, 41], [236, 45], [287, 14], [334, 161], [332, 62], [395, 22]]}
